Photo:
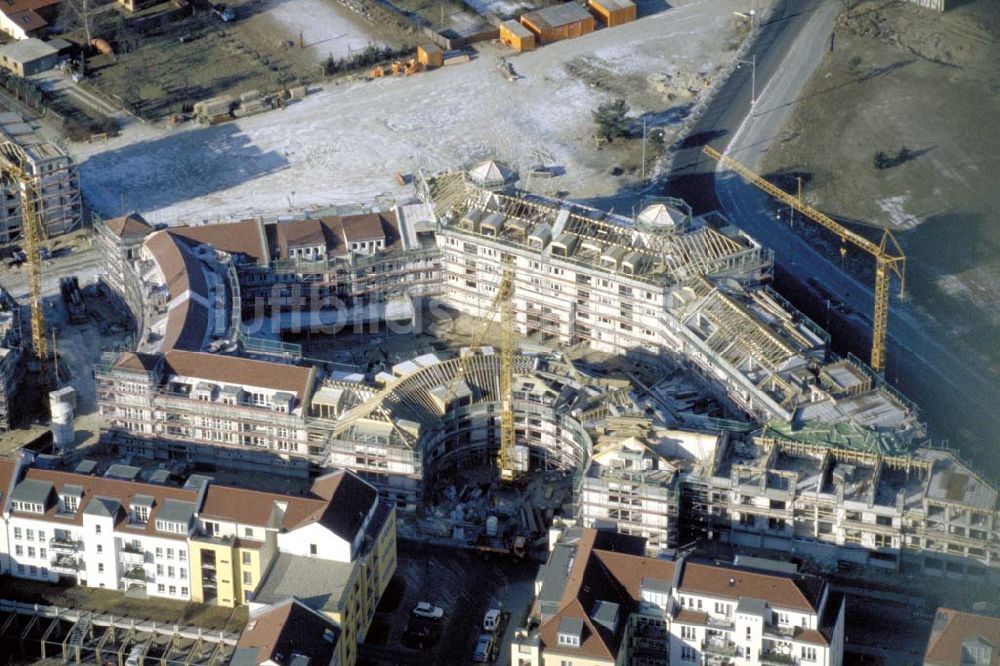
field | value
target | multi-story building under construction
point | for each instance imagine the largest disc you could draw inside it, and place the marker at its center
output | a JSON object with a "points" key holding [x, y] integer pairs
{"points": [[55, 180]]}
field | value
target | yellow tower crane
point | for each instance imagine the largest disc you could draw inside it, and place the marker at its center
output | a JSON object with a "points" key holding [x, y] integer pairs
{"points": [[503, 304], [12, 169], [889, 256]]}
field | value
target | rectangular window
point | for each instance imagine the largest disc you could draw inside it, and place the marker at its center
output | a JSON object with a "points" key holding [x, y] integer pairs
{"points": [[17, 533], [312, 549], [246, 558], [247, 578], [71, 502], [170, 553], [687, 653], [159, 552], [170, 572], [31, 551], [248, 532], [31, 534], [41, 535], [808, 653], [687, 632], [100, 549], [184, 591], [100, 567], [161, 588], [182, 555], [173, 589], [183, 573], [41, 553], [159, 569], [19, 550], [97, 529]]}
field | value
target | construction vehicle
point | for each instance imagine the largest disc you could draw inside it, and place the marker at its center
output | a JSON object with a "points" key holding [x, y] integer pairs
{"points": [[12, 167], [889, 256], [69, 287]]}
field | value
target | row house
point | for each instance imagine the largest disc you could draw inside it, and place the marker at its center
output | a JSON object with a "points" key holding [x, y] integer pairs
{"points": [[599, 600], [203, 542]]}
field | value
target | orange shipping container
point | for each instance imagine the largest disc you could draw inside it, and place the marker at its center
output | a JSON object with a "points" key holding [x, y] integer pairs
{"points": [[613, 12], [560, 22], [516, 36]]}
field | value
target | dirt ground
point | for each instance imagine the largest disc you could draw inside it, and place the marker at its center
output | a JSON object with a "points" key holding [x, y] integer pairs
{"points": [[272, 44], [903, 77], [343, 144]]}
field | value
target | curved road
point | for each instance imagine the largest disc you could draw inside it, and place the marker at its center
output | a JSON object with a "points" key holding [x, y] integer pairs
{"points": [[789, 48]]}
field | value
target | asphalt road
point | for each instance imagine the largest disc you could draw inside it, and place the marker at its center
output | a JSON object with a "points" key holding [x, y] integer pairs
{"points": [[791, 45]]}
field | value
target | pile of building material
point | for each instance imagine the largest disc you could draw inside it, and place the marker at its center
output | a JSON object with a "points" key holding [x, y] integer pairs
{"points": [[220, 109]]}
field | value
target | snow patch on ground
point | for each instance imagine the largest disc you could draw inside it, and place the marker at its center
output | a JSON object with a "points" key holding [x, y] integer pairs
{"points": [[344, 144], [500, 7], [894, 207], [325, 28]]}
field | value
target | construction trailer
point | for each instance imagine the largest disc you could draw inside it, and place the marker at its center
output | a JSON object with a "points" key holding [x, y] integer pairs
{"points": [[560, 22], [516, 36], [430, 55], [613, 12]]}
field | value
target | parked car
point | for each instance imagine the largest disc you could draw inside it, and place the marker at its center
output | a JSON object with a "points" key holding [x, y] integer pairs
{"points": [[484, 647], [428, 610], [491, 620]]}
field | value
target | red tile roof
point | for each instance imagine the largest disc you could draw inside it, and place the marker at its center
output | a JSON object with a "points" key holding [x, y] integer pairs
{"points": [[132, 224], [276, 633], [115, 489], [952, 628], [245, 237], [294, 379], [793, 592]]}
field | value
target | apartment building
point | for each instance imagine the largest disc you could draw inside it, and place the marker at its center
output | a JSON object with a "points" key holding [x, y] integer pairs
{"points": [[119, 242], [11, 367], [203, 542], [210, 407], [963, 639], [680, 287], [599, 600], [288, 633], [927, 509], [54, 180], [632, 489]]}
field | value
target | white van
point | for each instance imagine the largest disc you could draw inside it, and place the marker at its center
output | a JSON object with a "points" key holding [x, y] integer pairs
{"points": [[491, 620]]}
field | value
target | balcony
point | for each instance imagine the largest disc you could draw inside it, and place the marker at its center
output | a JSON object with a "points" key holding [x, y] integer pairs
{"points": [[720, 622], [61, 545], [777, 658], [132, 556], [135, 575], [775, 631], [66, 565], [719, 646]]}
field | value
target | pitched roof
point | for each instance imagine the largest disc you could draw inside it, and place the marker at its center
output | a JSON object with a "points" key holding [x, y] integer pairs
{"points": [[130, 225], [952, 628], [293, 379], [100, 495], [349, 501], [137, 361], [181, 270], [340, 501], [276, 633], [7, 467], [245, 237], [607, 570], [781, 590], [557, 16]]}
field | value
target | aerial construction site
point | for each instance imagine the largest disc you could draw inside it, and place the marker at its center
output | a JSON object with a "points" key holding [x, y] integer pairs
{"points": [[426, 388]]}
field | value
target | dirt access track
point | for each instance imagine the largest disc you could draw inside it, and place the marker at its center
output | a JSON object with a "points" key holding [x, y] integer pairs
{"points": [[344, 144], [904, 77]]}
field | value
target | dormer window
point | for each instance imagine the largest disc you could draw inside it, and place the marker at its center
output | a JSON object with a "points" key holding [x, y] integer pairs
{"points": [[569, 632], [139, 509], [71, 503]]}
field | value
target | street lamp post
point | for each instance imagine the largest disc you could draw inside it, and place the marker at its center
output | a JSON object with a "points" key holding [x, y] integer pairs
{"points": [[753, 77]]}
